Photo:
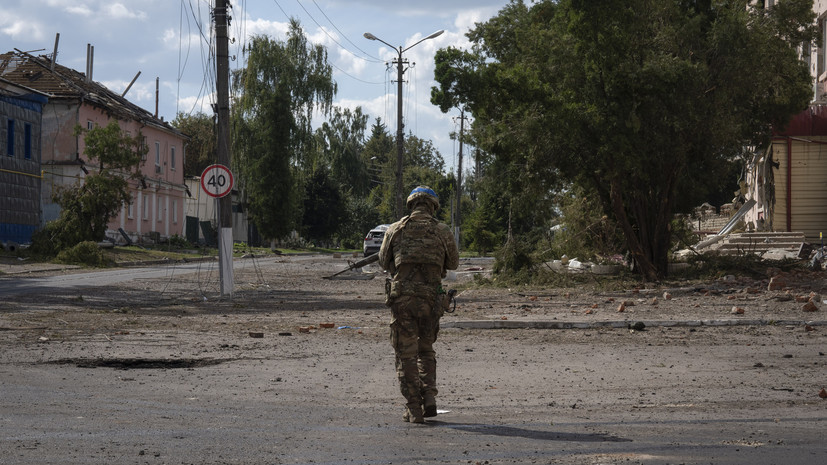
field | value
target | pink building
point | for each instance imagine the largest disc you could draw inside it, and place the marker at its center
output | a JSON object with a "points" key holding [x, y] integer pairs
{"points": [[157, 208]]}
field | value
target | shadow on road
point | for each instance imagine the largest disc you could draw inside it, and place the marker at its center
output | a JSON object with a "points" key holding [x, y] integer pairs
{"points": [[510, 431]]}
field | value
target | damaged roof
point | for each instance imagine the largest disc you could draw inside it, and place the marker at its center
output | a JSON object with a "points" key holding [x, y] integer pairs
{"points": [[59, 82]]}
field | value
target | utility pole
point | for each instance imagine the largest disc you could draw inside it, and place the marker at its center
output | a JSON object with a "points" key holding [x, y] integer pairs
{"points": [[400, 135], [400, 126], [222, 89], [458, 209]]}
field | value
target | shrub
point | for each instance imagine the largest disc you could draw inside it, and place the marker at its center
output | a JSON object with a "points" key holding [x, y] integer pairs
{"points": [[84, 253]]}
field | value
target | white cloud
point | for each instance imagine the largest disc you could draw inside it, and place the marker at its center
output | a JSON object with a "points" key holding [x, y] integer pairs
{"points": [[273, 29], [119, 11], [20, 29], [80, 10]]}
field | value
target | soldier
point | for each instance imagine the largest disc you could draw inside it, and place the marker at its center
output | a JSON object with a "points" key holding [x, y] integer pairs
{"points": [[417, 251]]}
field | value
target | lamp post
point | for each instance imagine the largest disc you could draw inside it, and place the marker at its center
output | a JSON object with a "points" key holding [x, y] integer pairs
{"points": [[400, 132]]}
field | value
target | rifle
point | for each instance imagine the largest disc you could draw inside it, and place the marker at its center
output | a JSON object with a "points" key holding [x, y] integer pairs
{"points": [[352, 266]]}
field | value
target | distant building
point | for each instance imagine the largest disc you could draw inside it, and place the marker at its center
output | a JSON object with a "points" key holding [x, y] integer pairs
{"points": [[74, 99], [788, 179], [21, 110]]}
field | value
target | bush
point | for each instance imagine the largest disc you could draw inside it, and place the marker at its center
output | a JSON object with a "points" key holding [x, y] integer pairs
{"points": [[514, 257], [586, 232], [84, 253], [179, 242]]}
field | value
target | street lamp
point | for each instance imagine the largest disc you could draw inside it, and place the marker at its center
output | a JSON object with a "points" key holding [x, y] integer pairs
{"points": [[400, 133]]}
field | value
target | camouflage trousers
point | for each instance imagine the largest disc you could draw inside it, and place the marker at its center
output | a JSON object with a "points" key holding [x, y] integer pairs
{"points": [[414, 330]]}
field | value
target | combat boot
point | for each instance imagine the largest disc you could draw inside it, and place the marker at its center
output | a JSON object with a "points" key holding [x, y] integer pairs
{"points": [[430, 406], [413, 414]]}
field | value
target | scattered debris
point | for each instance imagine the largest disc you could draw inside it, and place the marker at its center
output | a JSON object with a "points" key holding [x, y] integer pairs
{"points": [[638, 326], [810, 306], [737, 311], [256, 335]]}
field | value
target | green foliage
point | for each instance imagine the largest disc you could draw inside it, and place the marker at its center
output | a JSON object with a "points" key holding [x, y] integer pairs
{"points": [[324, 207], [584, 230], [341, 140], [277, 93], [200, 148], [83, 253], [644, 102], [362, 216], [179, 242], [514, 258], [89, 204]]}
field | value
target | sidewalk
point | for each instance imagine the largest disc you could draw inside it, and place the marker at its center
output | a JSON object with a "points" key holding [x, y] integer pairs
{"points": [[742, 303]]}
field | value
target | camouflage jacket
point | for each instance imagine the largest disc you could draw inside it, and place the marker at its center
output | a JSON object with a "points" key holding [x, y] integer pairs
{"points": [[418, 248]]}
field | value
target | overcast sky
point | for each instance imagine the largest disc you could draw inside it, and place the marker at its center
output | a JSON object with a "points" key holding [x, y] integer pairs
{"points": [[169, 39]]}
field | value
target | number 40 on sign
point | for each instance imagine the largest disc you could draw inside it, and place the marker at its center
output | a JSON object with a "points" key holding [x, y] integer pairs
{"points": [[217, 180]]}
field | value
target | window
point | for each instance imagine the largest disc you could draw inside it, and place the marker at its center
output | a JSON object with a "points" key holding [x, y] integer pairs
{"points": [[130, 210], [144, 148], [10, 138], [145, 204], [160, 208], [27, 141], [172, 158], [157, 153], [90, 125], [175, 211]]}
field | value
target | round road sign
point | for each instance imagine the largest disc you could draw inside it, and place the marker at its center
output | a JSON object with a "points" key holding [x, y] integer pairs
{"points": [[217, 180]]}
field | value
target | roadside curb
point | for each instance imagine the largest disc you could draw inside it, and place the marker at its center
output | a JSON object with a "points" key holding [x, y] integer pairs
{"points": [[510, 324]]}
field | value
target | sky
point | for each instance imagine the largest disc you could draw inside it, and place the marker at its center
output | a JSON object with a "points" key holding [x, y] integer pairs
{"points": [[169, 40]]}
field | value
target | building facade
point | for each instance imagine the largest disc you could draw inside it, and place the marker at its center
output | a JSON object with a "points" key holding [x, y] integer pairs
{"points": [[74, 100], [21, 111]]}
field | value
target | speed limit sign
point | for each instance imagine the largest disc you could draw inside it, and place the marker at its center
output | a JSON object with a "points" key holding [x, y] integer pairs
{"points": [[217, 180]]}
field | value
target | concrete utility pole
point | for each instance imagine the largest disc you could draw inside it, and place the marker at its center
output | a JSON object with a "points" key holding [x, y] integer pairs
{"points": [[400, 127], [222, 90], [458, 209]]}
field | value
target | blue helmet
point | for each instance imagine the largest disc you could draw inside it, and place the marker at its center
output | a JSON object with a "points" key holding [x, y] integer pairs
{"points": [[422, 193]]}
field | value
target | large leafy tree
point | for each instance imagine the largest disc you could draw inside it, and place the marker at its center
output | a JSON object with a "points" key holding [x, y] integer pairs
{"points": [[642, 102], [283, 83], [200, 151], [325, 209], [342, 139]]}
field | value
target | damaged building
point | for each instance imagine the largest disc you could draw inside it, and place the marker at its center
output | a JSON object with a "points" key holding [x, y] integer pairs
{"points": [[71, 99], [788, 181]]}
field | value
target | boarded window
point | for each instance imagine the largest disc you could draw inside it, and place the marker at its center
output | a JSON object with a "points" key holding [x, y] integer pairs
{"points": [[10, 138], [27, 141]]}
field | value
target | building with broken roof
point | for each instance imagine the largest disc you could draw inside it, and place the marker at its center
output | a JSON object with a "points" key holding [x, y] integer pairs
{"points": [[21, 110], [74, 99], [788, 179]]}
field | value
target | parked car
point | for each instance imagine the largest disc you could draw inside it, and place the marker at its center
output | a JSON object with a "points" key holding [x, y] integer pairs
{"points": [[373, 241]]}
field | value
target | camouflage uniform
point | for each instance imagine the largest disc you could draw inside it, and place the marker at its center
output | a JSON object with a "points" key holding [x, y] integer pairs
{"points": [[417, 251]]}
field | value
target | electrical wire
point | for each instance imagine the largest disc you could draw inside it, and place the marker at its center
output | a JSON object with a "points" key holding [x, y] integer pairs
{"points": [[372, 58]]}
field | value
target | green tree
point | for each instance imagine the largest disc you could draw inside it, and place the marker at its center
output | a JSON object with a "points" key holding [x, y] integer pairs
{"points": [[640, 101], [89, 204], [380, 162], [275, 97], [324, 207], [342, 139], [200, 148]]}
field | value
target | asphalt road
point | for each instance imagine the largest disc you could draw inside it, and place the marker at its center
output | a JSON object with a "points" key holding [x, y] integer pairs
{"points": [[175, 384]]}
